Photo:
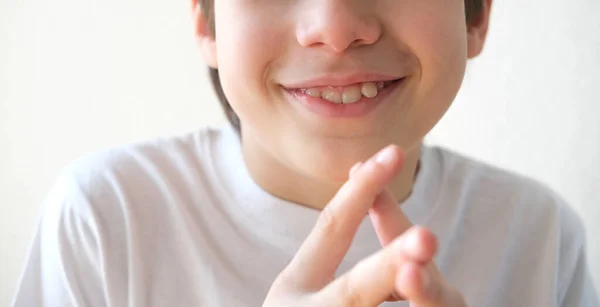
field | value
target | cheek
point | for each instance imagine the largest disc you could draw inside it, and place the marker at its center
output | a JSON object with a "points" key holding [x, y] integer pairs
{"points": [[438, 39], [246, 47], [440, 43]]}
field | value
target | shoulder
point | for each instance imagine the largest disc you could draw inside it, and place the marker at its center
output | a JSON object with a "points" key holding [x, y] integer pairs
{"points": [[531, 217], [148, 159], [492, 185], [101, 183], [142, 155], [493, 194]]}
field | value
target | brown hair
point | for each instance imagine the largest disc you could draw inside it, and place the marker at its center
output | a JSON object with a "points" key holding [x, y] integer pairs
{"points": [[472, 10]]}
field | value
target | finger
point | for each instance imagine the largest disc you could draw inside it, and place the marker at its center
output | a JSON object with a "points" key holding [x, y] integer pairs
{"points": [[355, 168], [388, 218], [419, 244], [390, 221], [395, 297], [421, 286], [316, 261], [369, 283]]}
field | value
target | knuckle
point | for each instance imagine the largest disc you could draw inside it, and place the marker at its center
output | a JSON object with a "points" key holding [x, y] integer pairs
{"points": [[330, 223], [350, 296], [350, 293]]}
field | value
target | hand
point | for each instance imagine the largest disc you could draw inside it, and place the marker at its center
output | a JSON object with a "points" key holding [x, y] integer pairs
{"points": [[403, 268]]}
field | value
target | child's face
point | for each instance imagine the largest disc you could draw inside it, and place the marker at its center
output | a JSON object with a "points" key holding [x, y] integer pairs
{"points": [[270, 53]]}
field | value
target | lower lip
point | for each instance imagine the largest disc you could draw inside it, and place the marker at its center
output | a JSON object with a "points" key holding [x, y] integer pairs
{"points": [[329, 109]]}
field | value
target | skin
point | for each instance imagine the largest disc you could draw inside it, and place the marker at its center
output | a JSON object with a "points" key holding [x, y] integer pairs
{"points": [[285, 42], [398, 270]]}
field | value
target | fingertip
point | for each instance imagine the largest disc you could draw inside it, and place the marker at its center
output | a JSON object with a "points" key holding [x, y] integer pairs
{"points": [[409, 281], [418, 244], [378, 171], [427, 239], [415, 282], [390, 155]]}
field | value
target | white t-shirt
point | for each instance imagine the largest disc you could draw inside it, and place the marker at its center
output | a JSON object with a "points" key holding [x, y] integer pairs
{"points": [[179, 222]]}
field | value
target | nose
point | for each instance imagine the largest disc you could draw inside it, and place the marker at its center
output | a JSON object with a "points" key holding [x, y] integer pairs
{"points": [[338, 25]]}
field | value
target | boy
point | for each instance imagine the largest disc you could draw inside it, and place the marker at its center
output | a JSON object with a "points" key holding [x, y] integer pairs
{"points": [[274, 210]]}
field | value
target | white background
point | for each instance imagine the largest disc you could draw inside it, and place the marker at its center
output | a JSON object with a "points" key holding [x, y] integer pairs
{"points": [[79, 76]]}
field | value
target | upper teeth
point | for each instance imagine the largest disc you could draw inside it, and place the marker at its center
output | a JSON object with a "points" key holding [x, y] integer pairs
{"points": [[349, 94], [369, 90]]}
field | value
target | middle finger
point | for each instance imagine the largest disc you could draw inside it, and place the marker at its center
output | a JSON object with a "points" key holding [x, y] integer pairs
{"points": [[318, 258]]}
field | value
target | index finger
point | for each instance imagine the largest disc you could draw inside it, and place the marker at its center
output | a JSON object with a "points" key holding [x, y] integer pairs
{"points": [[317, 260], [389, 220]]}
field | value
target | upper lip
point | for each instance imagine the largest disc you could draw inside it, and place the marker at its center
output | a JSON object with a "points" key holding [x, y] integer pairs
{"points": [[340, 80]]}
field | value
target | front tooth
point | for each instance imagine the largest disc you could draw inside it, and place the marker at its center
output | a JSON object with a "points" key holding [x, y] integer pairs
{"points": [[369, 89], [351, 94], [332, 96], [313, 92]]}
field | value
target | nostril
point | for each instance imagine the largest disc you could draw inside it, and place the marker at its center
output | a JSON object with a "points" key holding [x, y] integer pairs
{"points": [[337, 27]]}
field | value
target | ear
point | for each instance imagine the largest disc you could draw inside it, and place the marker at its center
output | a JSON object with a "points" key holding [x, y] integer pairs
{"points": [[204, 35], [477, 30]]}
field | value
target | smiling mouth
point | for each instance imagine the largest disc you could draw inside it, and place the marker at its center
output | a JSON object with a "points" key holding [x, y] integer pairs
{"points": [[349, 94]]}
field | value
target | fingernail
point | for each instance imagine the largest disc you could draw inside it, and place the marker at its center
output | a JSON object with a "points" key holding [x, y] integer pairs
{"points": [[386, 156], [355, 168]]}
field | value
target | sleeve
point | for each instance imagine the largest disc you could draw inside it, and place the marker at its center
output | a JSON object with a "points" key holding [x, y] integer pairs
{"points": [[576, 288], [62, 267], [580, 292]]}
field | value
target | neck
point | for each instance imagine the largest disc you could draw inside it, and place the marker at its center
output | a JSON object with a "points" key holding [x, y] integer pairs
{"points": [[301, 189]]}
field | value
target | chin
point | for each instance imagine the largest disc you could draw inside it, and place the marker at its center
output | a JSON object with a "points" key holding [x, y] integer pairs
{"points": [[330, 174], [331, 164]]}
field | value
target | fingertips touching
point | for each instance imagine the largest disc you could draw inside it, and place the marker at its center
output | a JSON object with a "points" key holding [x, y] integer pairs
{"points": [[413, 281], [417, 244], [420, 285]]}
